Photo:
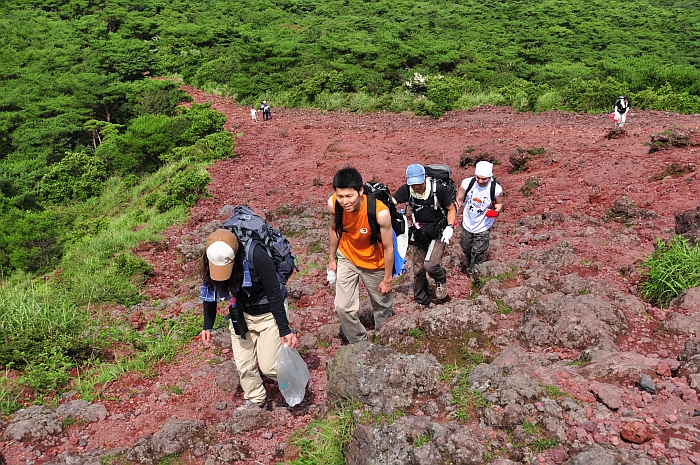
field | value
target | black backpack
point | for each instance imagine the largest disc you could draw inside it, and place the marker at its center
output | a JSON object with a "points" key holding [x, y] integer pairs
{"points": [[251, 229], [374, 191], [493, 188], [442, 174]]}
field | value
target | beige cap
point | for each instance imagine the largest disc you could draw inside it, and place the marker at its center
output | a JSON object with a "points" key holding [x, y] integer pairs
{"points": [[221, 247]]}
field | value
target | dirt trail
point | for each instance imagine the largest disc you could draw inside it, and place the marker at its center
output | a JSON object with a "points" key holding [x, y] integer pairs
{"points": [[292, 158]]}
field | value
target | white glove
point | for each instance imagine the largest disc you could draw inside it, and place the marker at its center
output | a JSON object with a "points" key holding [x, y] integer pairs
{"points": [[447, 234], [330, 276]]}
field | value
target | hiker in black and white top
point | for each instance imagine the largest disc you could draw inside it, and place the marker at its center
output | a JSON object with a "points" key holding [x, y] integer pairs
{"points": [[433, 214], [266, 111], [482, 201], [622, 107]]}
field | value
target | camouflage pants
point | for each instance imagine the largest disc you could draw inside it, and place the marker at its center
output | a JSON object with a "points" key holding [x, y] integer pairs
{"points": [[474, 246]]}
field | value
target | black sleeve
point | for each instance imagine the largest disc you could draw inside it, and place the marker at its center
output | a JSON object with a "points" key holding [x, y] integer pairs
{"points": [[209, 310], [444, 196], [267, 273], [402, 194]]}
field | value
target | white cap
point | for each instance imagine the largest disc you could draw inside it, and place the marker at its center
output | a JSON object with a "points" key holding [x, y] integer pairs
{"points": [[484, 169]]}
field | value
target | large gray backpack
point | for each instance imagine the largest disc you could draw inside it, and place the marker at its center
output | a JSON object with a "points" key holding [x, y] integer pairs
{"points": [[252, 229]]}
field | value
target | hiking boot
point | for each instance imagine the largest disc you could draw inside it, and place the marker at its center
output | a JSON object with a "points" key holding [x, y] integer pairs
{"points": [[250, 405], [440, 291]]}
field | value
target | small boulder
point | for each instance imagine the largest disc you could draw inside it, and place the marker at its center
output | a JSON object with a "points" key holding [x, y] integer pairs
{"points": [[174, 437], [380, 377], [33, 423], [636, 432], [646, 383]]}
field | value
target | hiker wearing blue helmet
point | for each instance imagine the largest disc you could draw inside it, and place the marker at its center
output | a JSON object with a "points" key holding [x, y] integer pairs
{"points": [[433, 214]]}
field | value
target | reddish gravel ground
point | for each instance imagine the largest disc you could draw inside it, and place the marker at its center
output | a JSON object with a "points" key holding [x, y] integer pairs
{"points": [[292, 158]]}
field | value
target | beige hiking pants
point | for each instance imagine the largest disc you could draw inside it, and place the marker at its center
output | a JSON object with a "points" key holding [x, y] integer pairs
{"points": [[262, 346], [347, 299]]}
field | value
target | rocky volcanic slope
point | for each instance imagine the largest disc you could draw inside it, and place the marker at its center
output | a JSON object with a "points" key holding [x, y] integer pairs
{"points": [[576, 368]]}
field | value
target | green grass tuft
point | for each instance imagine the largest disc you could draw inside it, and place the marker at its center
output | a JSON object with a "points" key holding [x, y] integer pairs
{"points": [[324, 442], [671, 269]]}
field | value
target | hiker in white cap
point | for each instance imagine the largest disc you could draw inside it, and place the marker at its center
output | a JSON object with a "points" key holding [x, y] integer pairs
{"points": [[481, 197], [259, 324]]}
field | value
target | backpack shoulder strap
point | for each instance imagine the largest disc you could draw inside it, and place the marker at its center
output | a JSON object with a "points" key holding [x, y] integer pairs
{"points": [[372, 218], [249, 247], [433, 186], [338, 219], [469, 187]]}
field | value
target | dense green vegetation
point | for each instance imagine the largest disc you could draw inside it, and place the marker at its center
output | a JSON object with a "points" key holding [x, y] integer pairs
{"points": [[95, 159], [76, 107]]}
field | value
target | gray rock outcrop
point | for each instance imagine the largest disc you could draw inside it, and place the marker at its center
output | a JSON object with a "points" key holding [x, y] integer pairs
{"points": [[174, 437], [414, 440], [574, 322], [82, 410], [380, 377], [33, 423]]}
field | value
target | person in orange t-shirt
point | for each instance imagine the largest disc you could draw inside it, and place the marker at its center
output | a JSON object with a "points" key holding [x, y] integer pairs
{"points": [[357, 258]]}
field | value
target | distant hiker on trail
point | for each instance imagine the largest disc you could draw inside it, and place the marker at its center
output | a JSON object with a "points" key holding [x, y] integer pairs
{"points": [[253, 115], [433, 214], [266, 111], [481, 197], [622, 107], [259, 325], [349, 237]]}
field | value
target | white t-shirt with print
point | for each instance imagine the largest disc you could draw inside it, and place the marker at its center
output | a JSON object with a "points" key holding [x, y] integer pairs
{"points": [[476, 202]]}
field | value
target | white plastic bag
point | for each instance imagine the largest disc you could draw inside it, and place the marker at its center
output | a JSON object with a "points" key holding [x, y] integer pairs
{"points": [[292, 375]]}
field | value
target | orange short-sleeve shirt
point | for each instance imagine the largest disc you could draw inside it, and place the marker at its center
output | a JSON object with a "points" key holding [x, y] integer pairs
{"points": [[354, 243]]}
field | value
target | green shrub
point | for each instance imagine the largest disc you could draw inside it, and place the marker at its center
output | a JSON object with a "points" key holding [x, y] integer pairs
{"points": [[131, 180], [184, 189], [202, 121], [665, 98], [133, 267], [592, 95], [156, 97], [671, 269], [86, 227], [444, 92], [31, 241], [49, 373], [138, 150], [212, 147], [77, 177]]}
